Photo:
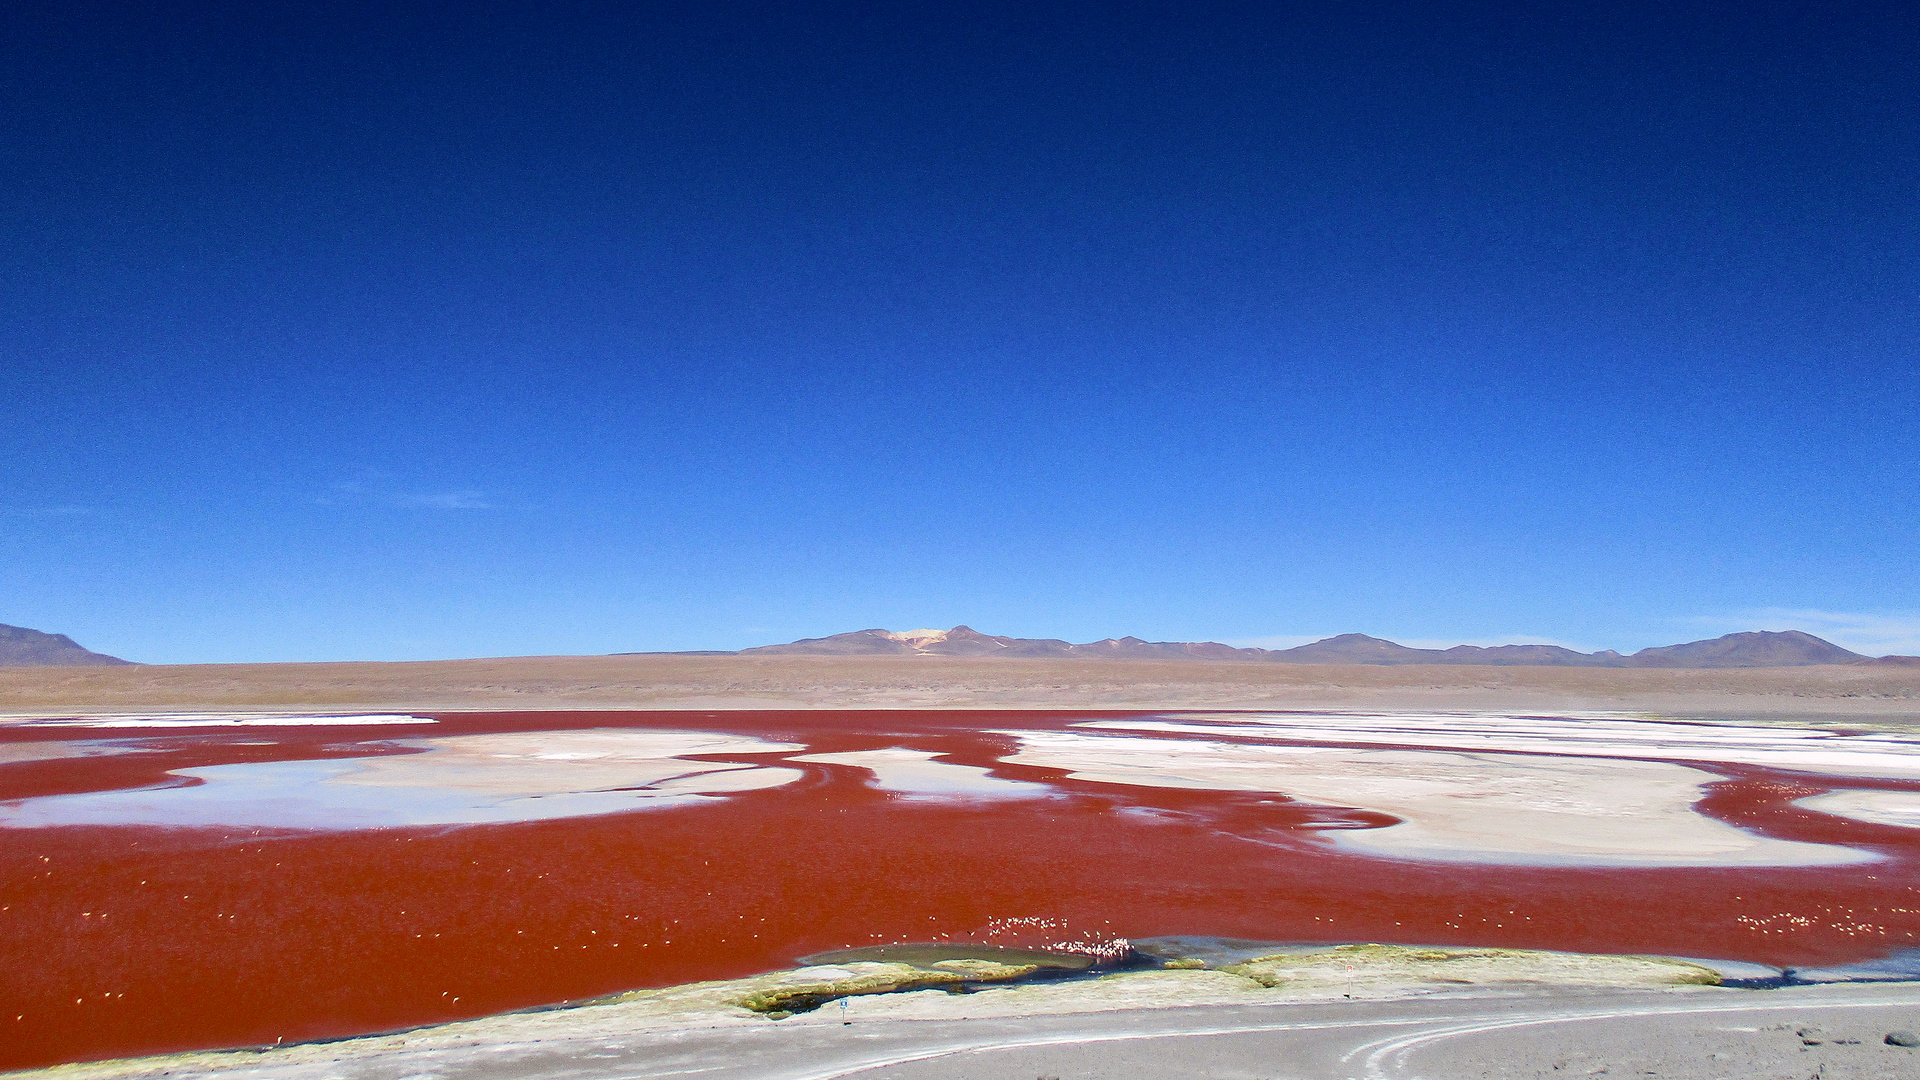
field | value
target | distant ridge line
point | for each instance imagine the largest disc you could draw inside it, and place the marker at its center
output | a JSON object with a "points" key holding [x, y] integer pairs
{"points": [[21, 647], [1749, 649]]}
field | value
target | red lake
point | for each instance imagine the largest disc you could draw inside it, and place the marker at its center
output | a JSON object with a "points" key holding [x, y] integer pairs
{"points": [[170, 884]]}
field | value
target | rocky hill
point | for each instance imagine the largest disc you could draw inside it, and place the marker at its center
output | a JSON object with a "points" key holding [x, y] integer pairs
{"points": [[1759, 648], [21, 647], [966, 641]]}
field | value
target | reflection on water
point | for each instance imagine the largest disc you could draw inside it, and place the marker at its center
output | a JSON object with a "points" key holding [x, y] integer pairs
{"points": [[11, 753], [174, 887]]}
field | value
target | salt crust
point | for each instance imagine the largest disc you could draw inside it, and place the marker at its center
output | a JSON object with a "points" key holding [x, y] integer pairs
{"points": [[1879, 807], [468, 779], [1587, 806], [198, 720], [917, 773], [1455, 807], [1878, 755]]}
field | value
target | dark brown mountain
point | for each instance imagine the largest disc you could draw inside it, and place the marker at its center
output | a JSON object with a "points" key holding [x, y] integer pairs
{"points": [[1758, 648], [1765, 648], [1133, 648], [1532, 655], [857, 643], [966, 641], [1355, 649], [1361, 649], [1761, 648], [21, 647]]}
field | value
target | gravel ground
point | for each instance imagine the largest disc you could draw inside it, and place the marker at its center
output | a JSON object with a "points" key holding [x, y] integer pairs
{"points": [[1694, 1033]]}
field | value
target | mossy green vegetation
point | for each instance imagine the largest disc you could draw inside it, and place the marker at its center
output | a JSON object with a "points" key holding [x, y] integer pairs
{"points": [[784, 999], [927, 955], [811, 987], [886, 969], [1313, 970], [1469, 967]]}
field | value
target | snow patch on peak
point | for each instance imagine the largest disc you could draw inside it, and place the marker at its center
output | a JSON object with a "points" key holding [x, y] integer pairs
{"points": [[919, 639]]}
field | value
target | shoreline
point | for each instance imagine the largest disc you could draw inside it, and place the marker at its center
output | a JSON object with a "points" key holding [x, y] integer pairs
{"points": [[1358, 979]]}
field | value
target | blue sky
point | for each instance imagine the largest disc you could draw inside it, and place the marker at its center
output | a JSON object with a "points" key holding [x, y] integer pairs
{"points": [[577, 328]]}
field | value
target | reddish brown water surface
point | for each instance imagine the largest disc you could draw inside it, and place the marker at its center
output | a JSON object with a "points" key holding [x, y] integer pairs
{"points": [[128, 939]]}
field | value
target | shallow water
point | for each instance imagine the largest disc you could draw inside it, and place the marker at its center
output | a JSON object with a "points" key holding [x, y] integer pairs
{"points": [[177, 887]]}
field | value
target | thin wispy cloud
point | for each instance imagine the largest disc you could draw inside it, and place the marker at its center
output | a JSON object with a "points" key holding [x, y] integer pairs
{"points": [[451, 500], [52, 513], [1870, 633], [379, 490], [342, 492]]}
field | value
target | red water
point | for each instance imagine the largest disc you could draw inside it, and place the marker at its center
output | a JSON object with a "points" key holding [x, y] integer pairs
{"points": [[129, 940]]}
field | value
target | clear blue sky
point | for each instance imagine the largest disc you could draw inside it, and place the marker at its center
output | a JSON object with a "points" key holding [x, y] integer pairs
{"points": [[330, 333]]}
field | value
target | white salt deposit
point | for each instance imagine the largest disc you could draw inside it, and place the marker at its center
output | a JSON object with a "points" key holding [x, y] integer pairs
{"points": [[1877, 755], [919, 773], [919, 639], [468, 779], [1466, 807], [203, 720], [1879, 807]]}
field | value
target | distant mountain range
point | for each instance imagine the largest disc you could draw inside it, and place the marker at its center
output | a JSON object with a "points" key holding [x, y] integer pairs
{"points": [[21, 647], [1760, 648]]}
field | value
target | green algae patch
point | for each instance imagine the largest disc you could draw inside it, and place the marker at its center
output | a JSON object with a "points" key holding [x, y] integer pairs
{"points": [[1373, 965], [888, 969], [783, 999], [784, 994], [932, 955], [986, 970]]}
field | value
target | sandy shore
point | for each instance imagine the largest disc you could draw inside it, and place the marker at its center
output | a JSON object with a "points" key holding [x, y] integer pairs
{"points": [[798, 682], [1326, 1015]]}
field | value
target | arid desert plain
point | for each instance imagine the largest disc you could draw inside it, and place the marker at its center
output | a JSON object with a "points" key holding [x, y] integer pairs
{"points": [[804, 867], [668, 681]]}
